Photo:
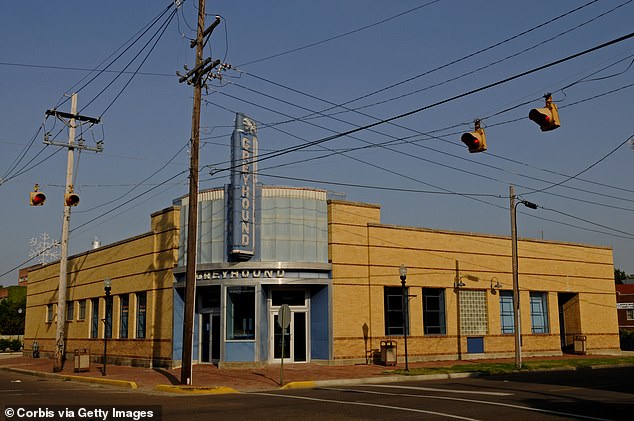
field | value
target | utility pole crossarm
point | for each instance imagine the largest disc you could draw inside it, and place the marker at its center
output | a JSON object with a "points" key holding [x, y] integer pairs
{"points": [[62, 114]]}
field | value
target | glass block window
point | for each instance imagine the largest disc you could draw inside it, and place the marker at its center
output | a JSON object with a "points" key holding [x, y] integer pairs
{"points": [[507, 315], [473, 312], [539, 312], [434, 311], [294, 225]]}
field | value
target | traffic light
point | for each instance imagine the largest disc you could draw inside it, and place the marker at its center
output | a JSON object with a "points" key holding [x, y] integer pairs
{"points": [[36, 198], [476, 141], [71, 199], [547, 118]]}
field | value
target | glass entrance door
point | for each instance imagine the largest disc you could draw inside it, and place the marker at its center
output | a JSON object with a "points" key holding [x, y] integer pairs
{"points": [[295, 338], [210, 338]]}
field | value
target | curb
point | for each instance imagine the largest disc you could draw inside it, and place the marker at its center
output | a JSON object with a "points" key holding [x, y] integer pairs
{"points": [[110, 382], [196, 390], [374, 380]]}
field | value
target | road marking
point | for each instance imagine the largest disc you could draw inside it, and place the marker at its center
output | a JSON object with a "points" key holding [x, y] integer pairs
{"points": [[448, 398], [374, 405], [431, 389]]}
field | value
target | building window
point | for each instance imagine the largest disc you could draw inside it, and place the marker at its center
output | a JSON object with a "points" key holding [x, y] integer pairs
{"points": [[629, 314], [393, 307], [240, 313], [82, 310], [507, 314], [434, 311], [49, 312], [141, 299], [123, 315], [94, 318], [108, 318], [539, 312], [70, 310], [473, 312]]}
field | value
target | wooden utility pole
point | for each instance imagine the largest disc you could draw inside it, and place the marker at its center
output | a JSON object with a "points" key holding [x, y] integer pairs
{"points": [[194, 77], [196, 74], [63, 262]]}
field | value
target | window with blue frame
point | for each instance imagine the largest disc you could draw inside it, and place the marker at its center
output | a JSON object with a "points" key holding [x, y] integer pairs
{"points": [[141, 307], [539, 312], [108, 321], [434, 311], [94, 318], [124, 310], [507, 317], [393, 306], [240, 313]]}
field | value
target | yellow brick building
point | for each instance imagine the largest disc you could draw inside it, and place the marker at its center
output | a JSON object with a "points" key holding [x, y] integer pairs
{"points": [[333, 269], [141, 270], [566, 291], [459, 287]]}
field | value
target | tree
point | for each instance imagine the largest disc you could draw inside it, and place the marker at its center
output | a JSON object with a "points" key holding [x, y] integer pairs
{"points": [[619, 276], [13, 312]]}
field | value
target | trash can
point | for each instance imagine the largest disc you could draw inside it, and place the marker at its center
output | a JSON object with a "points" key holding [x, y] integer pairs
{"points": [[388, 352], [580, 344], [82, 360]]}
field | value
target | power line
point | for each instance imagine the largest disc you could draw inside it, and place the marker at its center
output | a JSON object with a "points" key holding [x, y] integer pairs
{"points": [[342, 35]]}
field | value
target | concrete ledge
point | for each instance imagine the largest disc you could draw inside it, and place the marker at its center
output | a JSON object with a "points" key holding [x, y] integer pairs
{"points": [[375, 380], [197, 390], [110, 382]]}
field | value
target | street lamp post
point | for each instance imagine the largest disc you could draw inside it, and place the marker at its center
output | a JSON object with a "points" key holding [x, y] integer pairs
{"points": [[405, 307], [107, 286], [516, 289]]}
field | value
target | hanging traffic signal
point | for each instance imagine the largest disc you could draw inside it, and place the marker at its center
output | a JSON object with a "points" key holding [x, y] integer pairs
{"points": [[36, 198], [476, 141], [71, 199], [547, 118]]}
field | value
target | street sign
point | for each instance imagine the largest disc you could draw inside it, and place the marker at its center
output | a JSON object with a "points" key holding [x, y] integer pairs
{"points": [[284, 320], [625, 306], [284, 316]]}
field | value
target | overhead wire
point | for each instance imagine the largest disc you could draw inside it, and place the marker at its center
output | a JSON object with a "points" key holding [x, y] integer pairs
{"points": [[332, 38], [572, 177], [383, 145], [156, 38], [411, 112], [144, 30], [480, 51]]}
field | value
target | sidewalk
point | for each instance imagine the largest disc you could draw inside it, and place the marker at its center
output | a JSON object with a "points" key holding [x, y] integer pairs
{"points": [[208, 378]]}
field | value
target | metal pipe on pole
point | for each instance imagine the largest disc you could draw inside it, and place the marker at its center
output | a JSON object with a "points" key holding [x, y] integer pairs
{"points": [[516, 293]]}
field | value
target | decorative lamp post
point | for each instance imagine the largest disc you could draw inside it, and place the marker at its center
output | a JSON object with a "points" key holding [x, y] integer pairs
{"points": [[107, 286], [405, 301]]}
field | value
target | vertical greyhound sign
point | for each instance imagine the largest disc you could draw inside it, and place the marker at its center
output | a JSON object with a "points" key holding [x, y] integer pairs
{"points": [[244, 153]]}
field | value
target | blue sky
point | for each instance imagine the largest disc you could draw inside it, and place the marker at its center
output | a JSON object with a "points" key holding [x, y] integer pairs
{"points": [[297, 59]]}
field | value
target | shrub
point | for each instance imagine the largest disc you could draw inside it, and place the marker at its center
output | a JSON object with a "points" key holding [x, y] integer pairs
{"points": [[627, 339]]}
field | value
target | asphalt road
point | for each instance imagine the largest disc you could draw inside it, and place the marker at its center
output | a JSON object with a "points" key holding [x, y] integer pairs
{"points": [[599, 394]]}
